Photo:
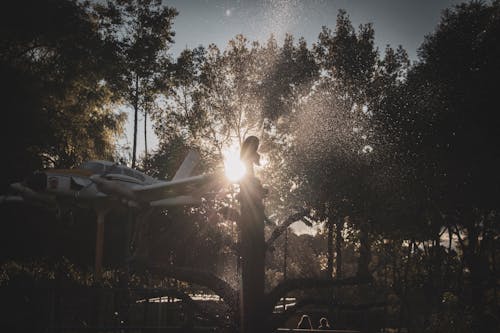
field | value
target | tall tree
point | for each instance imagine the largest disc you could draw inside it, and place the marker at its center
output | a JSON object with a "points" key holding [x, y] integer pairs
{"points": [[443, 122], [143, 29], [333, 148]]}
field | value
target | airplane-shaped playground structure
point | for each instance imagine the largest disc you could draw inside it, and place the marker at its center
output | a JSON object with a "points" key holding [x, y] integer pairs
{"points": [[104, 185]]}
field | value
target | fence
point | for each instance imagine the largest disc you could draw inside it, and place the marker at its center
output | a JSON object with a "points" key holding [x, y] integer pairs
{"points": [[52, 308]]}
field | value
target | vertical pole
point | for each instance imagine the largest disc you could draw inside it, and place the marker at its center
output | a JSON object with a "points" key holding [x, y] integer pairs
{"points": [[285, 255], [338, 250], [99, 244], [158, 327], [285, 258], [252, 243]]}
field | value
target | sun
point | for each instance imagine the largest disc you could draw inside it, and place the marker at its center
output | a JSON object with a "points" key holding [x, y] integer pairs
{"points": [[233, 166]]}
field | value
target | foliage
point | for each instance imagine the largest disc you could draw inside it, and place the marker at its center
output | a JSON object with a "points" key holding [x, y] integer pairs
{"points": [[57, 105], [142, 33], [444, 121]]}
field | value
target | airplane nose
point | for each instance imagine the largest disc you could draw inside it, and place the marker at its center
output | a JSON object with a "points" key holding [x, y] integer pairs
{"points": [[37, 181]]}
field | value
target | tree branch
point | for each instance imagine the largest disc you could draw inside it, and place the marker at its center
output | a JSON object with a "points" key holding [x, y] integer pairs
{"points": [[285, 224], [202, 278]]}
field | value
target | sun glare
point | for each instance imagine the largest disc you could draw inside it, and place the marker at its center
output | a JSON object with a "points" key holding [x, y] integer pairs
{"points": [[233, 166]]}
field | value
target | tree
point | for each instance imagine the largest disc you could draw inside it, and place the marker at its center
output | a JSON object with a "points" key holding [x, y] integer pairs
{"points": [[332, 152], [143, 31], [442, 123], [57, 105]]}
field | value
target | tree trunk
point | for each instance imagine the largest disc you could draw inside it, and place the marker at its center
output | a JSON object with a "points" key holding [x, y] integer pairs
{"points": [[136, 112], [145, 134], [404, 308], [285, 255], [478, 273], [364, 251], [338, 248], [252, 249], [329, 249]]}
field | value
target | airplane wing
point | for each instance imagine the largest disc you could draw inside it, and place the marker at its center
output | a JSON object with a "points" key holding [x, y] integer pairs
{"points": [[183, 189], [184, 186]]}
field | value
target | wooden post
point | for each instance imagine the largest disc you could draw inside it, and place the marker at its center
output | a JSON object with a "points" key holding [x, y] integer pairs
{"points": [[99, 243], [252, 243]]}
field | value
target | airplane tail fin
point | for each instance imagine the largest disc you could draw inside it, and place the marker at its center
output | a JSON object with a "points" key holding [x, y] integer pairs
{"points": [[188, 165]]}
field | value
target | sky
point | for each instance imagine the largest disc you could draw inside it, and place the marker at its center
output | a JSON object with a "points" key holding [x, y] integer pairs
{"points": [[202, 22], [404, 22]]}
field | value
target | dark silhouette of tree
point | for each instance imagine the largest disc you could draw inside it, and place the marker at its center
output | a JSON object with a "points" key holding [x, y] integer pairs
{"points": [[57, 105], [332, 151], [443, 123]]}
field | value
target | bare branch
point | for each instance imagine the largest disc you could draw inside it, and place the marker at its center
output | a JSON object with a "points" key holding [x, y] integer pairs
{"points": [[285, 224], [202, 278]]}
